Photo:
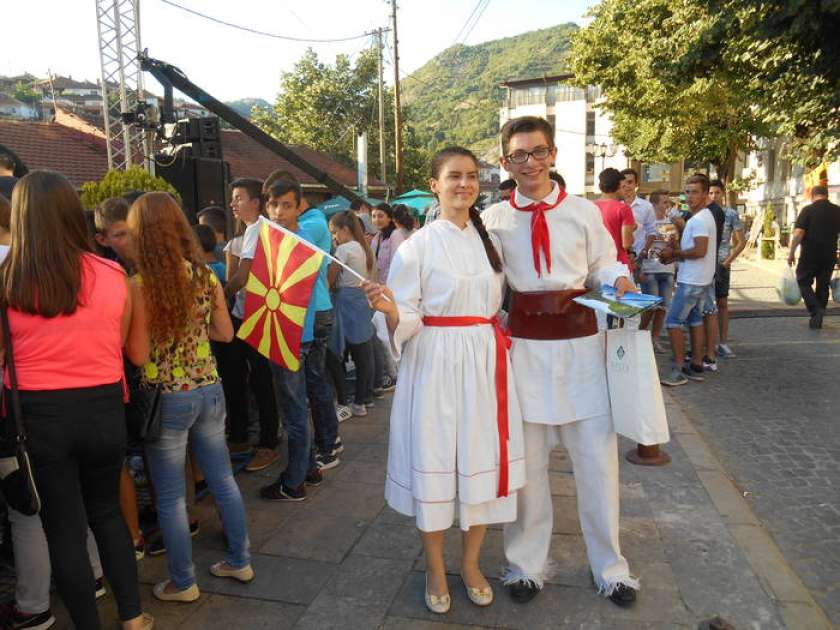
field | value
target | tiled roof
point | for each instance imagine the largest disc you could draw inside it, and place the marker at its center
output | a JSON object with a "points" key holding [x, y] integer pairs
{"points": [[79, 156], [248, 158]]}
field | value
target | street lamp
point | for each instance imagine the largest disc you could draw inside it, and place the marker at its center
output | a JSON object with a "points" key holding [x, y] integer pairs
{"points": [[603, 151]]}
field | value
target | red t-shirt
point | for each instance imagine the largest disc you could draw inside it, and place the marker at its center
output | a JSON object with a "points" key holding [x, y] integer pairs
{"points": [[616, 214]]}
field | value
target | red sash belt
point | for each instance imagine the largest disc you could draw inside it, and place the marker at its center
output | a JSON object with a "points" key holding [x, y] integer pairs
{"points": [[502, 347]]}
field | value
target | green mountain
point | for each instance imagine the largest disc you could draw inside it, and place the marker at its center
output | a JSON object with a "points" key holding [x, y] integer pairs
{"points": [[243, 106], [455, 97]]}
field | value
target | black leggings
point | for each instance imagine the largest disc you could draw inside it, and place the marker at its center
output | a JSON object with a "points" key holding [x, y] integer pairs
{"points": [[77, 442]]}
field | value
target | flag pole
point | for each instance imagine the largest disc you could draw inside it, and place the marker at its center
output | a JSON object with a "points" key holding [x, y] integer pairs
{"points": [[314, 247]]}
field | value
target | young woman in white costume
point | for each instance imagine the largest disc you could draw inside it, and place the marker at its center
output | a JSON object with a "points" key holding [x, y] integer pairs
{"points": [[456, 429]]}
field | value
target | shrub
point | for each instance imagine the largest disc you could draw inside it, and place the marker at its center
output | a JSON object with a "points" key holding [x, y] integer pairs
{"points": [[768, 248], [116, 183]]}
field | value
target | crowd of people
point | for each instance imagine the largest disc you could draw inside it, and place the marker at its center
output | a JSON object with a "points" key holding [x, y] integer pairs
{"points": [[107, 305]]}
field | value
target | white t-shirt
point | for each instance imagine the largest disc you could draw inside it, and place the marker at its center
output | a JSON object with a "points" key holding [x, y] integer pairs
{"points": [[353, 255], [247, 252], [645, 217], [699, 271]]}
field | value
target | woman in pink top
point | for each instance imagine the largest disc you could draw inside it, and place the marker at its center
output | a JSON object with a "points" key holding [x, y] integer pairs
{"points": [[70, 316], [387, 240]]}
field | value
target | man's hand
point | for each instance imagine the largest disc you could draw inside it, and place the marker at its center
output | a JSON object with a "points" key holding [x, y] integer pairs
{"points": [[624, 285], [666, 255], [727, 263], [791, 259]]}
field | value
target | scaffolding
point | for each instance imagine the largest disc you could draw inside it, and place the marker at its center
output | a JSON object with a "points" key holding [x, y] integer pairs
{"points": [[118, 27]]}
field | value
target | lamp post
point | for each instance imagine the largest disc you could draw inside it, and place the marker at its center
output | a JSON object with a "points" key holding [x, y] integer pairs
{"points": [[604, 151]]}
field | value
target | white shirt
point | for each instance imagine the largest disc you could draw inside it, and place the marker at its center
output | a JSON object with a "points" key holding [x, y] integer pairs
{"points": [[564, 380], [353, 255], [699, 271], [645, 217], [247, 252]]}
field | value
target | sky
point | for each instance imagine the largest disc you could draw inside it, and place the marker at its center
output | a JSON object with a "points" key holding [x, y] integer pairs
{"points": [[230, 64]]}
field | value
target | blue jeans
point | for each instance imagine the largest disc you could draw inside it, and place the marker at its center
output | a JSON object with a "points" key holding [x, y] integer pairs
{"points": [[318, 386], [686, 306], [294, 407], [659, 284], [197, 416]]}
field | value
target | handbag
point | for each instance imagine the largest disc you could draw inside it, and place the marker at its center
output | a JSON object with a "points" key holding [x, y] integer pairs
{"points": [[17, 478], [142, 412], [638, 408]]}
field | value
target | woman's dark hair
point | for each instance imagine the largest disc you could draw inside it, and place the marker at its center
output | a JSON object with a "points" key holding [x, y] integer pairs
{"points": [[441, 157], [403, 217], [349, 220], [389, 229], [609, 180], [206, 238], [5, 213], [42, 274]]}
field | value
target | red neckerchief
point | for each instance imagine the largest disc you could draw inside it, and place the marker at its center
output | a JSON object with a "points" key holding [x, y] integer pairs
{"points": [[540, 239]]}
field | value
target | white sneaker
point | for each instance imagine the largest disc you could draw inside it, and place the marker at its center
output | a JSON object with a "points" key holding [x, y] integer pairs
{"points": [[343, 412], [725, 351], [358, 410]]}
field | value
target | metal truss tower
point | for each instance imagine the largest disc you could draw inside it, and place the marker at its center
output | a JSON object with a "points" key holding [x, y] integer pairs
{"points": [[118, 26]]}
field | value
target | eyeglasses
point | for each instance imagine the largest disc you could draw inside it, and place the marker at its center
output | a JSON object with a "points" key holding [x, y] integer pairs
{"points": [[520, 156]]}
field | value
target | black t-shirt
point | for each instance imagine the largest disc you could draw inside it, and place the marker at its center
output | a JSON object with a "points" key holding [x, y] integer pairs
{"points": [[821, 222], [7, 182], [720, 220]]}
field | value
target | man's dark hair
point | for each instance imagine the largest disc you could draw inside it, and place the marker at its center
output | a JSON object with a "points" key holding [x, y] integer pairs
{"points": [[206, 238], [718, 183], [630, 171], [250, 185], [699, 178], [275, 176], [819, 191], [656, 195], [215, 218], [525, 124], [283, 186], [110, 211], [7, 161], [359, 203], [609, 180], [557, 177], [132, 195], [508, 184]]}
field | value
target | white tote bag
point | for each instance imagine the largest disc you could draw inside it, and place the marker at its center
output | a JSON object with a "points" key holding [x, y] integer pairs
{"points": [[638, 410]]}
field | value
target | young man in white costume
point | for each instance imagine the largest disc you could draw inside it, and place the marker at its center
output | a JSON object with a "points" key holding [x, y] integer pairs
{"points": [[554, 245]]}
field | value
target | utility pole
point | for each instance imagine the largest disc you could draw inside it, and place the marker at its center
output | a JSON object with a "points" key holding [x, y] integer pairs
{"points": [[398, 165], [383, 157]]}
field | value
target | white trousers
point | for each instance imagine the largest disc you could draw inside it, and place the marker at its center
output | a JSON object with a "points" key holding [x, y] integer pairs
{"points": [[593, 448]]}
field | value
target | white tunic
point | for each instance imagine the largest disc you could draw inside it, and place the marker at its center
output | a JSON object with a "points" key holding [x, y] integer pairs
{"points": [[444, 442], [558, 381]]}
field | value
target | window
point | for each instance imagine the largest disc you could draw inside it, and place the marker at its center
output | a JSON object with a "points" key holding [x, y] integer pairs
{"points": [[590, 162], [590, 127], [771, 165]]}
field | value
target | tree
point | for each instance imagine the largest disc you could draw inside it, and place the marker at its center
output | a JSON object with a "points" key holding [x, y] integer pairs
{"points": [[787, 56], [26, 94], [116, 183], [629, 49]]}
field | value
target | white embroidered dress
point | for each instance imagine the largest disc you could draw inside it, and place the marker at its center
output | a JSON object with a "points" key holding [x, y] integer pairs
{"points": [[443, 456]]}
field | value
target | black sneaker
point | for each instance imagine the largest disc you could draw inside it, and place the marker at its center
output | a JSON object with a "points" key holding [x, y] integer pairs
{"points": [[327, 462], [378, 392], [338, 447], [623, 596], [693, 372], [39, 621], [314, 478], [523, 591], [388, 384], [278, 492], [100, 588], [157, 547]]}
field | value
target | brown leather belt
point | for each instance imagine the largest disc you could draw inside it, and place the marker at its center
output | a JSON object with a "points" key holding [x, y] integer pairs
{"points": [[550, 315]]}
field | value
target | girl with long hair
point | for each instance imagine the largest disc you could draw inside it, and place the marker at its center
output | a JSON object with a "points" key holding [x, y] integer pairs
{"points": [[405, 221], [71, 315], [455, 445], [353, 329], [388, 238], [186, 309]]}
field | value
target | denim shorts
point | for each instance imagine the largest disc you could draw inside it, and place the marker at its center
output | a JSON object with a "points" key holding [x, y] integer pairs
{"points": [[710, 303], [659, 284], [686, 306]]}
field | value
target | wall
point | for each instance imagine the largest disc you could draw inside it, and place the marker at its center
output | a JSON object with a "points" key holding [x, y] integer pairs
{"points": [[570, 138]]}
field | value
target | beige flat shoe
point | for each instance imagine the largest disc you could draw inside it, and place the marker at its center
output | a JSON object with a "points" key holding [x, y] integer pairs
{"points": [[479, 596], [437, 604], [223, 569], [187, 595]]}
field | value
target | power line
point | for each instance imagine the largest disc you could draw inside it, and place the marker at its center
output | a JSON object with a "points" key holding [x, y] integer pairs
{"points": [[475, 21], [263, 33], [469, 17]]}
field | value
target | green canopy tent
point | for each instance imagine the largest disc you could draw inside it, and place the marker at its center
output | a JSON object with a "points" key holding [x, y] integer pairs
{"points": [[417, 200], [340, 204]]}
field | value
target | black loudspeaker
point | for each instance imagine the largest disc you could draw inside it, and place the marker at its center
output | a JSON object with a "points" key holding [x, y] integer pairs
{"points": [[189, 130], [201, 182], [208, 149]]}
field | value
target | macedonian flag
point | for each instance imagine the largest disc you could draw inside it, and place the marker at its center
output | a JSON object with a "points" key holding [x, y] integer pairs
{"points": [[282, 277]]}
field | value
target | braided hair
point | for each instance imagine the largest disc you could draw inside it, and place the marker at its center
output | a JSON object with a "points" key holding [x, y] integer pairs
{"points": [[437, 165]]}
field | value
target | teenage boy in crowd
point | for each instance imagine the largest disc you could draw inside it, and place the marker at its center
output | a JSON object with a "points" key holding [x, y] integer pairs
{"points": [[697, 255], [362, 210], [215, 218], [552, 244], [658, 277], [617, 215], [642, 212], [112, 230], [732, 243], [284, 206], [240, 361]]}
